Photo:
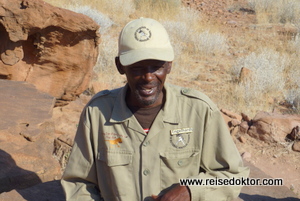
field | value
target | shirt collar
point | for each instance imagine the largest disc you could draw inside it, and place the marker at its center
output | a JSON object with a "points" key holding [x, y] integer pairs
{"points": [[170, 110], [120, 110]]}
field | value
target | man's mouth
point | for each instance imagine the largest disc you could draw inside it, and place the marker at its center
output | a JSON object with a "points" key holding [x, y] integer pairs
{"points": [[147, 91]]}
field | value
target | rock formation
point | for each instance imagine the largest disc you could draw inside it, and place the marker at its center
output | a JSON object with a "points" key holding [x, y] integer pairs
{"points": [[272, 127], [268, 127], [53, 48], [26, 136]]}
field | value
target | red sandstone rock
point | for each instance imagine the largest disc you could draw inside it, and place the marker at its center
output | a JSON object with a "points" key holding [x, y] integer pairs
{"points": [[235, 122], [232, 114], [271, 127], [244, 127], [246, 155], [53, 48], [26, 136], [246, 75], [242, 139], [245, 117], [227, 120]]}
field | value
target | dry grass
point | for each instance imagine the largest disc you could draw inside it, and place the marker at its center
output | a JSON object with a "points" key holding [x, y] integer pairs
{"points": [[279, 11], [157, 9], [204, 50]]}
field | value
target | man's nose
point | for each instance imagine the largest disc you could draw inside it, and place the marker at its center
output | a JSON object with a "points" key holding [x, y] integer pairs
{"points": [[148, 73]]}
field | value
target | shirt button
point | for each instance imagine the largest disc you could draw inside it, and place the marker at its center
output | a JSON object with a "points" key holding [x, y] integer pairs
{"points": [[145, 144], [180, 162], [185, 90], [146, 172]]}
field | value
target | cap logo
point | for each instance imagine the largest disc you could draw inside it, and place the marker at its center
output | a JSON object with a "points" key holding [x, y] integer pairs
{"points": [[142, 34]]}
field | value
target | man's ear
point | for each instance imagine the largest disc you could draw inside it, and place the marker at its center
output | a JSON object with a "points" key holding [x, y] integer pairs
{"points": [[169, 67], [119, 66]]}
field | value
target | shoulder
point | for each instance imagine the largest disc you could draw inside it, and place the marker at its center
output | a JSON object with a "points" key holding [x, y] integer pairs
{"points": [[193, 95], [104, 95]]}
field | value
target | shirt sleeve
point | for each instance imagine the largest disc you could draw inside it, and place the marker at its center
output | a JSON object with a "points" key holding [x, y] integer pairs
{"points": [[219, 159], [79, 180]]}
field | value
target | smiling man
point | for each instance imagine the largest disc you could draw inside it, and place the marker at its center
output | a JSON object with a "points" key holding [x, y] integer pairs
{"points": [[135, 143]]}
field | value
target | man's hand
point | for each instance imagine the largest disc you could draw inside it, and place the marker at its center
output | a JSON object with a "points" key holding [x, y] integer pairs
{"points": [[178, 193]]}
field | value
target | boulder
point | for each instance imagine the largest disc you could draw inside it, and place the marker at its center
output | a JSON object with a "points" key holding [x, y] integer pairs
{"points": [[23, 108], [245, 117], [244, 126], [26, 136], [235, 122], [273, 127], [53, 48]]}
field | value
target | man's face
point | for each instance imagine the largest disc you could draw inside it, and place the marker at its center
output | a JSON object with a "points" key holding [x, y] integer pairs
{"points": [[146, 80]]}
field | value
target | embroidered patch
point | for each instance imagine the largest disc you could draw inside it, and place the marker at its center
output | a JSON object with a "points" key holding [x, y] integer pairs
{"points": [[114, 138], [115, 142], [180, 140], [142, 34]]}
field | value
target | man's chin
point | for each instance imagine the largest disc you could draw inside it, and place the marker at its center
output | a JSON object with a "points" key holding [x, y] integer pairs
{"points": [[146, 103]]}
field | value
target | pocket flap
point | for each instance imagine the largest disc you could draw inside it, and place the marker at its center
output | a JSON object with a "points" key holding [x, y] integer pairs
{"points": [[115, 158], [180, 154]]}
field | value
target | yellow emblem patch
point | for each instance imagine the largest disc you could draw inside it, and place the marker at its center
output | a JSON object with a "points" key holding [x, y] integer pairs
{"points": [[115, 142]]}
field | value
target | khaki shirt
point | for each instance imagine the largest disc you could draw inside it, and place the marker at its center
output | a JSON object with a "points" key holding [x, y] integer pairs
{"points": [[113, 158]]}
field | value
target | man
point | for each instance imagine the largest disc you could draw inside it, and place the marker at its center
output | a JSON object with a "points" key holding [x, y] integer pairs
{"points": [[136, 142]]}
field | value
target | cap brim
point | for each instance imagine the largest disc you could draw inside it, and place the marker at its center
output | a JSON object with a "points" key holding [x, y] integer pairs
{"points": [[133, 56]]}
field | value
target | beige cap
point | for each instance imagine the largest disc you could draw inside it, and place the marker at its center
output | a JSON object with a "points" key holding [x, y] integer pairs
{"points": [[142, 39]]}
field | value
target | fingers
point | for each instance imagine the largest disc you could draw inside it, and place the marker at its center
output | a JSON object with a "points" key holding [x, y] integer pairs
{"points": [[155, 197]]}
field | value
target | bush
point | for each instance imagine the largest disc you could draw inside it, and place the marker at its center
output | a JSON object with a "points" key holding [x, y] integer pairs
{"points": [[157, 9], [292, 93], [97, 16], [295, 44], [209, 43], [164, 4], [267, 72], [278, 11]]}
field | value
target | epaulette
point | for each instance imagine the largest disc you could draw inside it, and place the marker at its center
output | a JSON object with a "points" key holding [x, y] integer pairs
{"points": [[192, 93], [198, 95], [99, 94], [102, 93]]}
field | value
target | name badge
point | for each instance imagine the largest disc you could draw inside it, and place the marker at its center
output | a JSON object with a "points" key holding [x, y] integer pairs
{"points": [[181, 131]]}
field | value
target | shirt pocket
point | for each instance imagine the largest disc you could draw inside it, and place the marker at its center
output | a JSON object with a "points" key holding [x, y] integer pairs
{"points": [[115, 170], [178, 164], [115, 157]]}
